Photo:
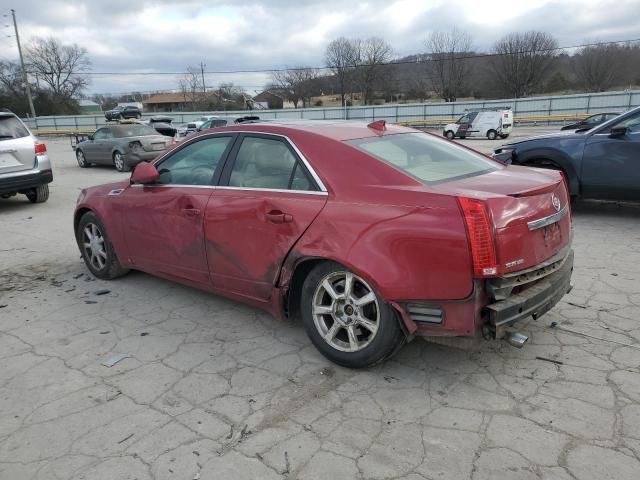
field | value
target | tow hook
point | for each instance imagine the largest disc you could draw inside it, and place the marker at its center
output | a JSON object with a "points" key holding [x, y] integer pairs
{"points": [[515, 339]]}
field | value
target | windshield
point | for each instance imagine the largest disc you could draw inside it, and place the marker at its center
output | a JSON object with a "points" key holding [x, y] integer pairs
{"points": [[133, 130], [11, 127], [425, 157]]}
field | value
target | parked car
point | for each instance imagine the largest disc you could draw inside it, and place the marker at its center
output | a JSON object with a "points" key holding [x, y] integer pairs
{"points": [[489, 123], [223, 121], [123, 146], [162, 125], [600, 163], [373, 235], [122, 113], [24, 165], [591, 121]]}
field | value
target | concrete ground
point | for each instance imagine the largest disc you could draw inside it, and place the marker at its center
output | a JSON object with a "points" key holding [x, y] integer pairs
{"points": [[216, 390]]}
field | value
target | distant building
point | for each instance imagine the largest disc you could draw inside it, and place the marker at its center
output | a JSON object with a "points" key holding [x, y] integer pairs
{"points": [[178, 102], [273, 99], [88, 107]]}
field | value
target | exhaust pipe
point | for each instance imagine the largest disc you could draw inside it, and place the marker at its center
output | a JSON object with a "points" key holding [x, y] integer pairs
{"points": [[516, 339]]}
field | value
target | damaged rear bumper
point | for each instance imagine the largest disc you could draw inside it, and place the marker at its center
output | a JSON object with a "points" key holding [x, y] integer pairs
{"points": [[534, 300]]}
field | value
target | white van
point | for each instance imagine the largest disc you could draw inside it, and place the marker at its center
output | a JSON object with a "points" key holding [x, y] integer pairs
{"points": [[481, 123]]}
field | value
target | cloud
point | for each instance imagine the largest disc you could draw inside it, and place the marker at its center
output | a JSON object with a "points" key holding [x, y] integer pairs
{"points": [[169, 35]]}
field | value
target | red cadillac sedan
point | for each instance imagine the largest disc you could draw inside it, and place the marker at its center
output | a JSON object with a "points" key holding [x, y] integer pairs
{"points": [[370, 233]]}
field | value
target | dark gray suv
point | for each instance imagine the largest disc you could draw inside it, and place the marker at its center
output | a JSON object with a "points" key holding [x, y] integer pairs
{"points": [[24, 165]]}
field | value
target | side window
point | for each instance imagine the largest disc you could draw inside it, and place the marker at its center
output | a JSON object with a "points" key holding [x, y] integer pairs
{"points": [[268, 163], [194, 164], [632, 123], [102, 133]]}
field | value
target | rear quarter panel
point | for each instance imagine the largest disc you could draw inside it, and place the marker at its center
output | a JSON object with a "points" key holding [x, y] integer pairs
{"points": [[407, 252]]}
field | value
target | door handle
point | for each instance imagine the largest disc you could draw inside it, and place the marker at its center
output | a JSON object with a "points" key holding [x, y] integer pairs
{"points": [[191, 212], [276, 216]]}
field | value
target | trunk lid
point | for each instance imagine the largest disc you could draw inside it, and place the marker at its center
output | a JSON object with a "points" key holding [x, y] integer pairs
{"points": [[155, 143], [529, 210]]}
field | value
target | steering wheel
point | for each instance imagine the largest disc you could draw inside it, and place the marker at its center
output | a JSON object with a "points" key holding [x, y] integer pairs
{"points": [[201, 175]]}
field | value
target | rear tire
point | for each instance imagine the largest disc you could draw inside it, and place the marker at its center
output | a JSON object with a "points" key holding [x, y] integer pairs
{"points": [[491, 134], [355, 328], [96, 249], [40, 194], [449, 134], [119, 163]]}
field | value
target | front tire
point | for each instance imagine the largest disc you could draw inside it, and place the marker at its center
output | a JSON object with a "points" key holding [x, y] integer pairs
{"points": [[491, 134], [449, 134], [504, 135], [81, 159], [40, 194], [346, 320], [96, 249], [119, 163]]}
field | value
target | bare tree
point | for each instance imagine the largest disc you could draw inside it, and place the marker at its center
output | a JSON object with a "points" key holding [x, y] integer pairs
{"points": [[60, 67], [372, 57], [297, 84], [522, 61], [191, 87], [597, 67], [448, 68], [341, 57]]}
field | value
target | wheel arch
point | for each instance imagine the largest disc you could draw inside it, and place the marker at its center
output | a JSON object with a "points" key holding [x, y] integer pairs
{"points": [[543, 157], [293, 279]]}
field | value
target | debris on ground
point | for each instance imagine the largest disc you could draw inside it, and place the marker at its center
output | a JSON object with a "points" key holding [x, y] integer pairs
{"points": [[287, 464], [4, 305], [102, 291], [90, 302], [111, 361], [577, 305], [105, 332], [78, 276], [125, 439], [545, 359], [553, 324], [144, 334]]}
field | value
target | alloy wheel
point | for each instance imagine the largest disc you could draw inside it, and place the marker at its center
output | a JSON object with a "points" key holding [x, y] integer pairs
{"points": [[345, 311], [118, 161], [82, 162], [93, 244]]}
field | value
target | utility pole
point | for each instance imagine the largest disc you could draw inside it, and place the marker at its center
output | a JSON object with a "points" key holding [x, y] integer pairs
{"points": [[24, 71], [204, 88]]}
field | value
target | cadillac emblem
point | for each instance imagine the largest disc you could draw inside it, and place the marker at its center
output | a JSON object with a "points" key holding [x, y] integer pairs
{"points": [[555, 201]]}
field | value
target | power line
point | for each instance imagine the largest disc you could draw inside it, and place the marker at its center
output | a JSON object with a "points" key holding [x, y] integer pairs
{"points": [[425, 60]]}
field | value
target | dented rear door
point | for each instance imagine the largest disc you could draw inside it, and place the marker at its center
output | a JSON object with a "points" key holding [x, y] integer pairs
{"points": [[267, 200]]}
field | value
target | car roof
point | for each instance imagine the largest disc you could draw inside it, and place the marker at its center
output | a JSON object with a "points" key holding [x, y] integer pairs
{"points": [[340, 130]]}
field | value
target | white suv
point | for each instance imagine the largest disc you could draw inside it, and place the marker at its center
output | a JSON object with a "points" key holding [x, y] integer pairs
{"points": [[24, 165]]}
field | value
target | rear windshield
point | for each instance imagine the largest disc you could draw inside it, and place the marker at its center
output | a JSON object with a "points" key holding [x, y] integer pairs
{"points": [[11, 127], [425, 157], [122, 131]]}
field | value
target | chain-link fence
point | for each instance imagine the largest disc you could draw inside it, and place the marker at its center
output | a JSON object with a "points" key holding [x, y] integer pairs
{"points": [[526, 110]]}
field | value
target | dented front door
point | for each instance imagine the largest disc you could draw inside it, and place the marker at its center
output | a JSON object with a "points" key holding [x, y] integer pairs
{"points": [[163, 227]]}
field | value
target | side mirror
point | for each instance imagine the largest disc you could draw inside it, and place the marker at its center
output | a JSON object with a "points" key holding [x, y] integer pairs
{"points": [[617, 132], [89, 137], [145, 173]]}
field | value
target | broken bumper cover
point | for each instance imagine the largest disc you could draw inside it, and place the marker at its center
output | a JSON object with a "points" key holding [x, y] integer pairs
{"points": [[534, 301]]}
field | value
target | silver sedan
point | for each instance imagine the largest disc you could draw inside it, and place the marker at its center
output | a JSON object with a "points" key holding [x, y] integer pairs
{"points": [[123, 145]]}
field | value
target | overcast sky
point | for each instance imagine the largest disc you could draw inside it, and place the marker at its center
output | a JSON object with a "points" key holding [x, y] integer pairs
{"points": [[167, 36]]}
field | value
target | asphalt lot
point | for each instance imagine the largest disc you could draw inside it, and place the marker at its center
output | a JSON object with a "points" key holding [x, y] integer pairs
{"points": [[216, 390]]}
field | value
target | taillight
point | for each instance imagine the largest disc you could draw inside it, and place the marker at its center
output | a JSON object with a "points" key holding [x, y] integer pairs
{"points": [[41, 148], [483, 248], [566, 189]]}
